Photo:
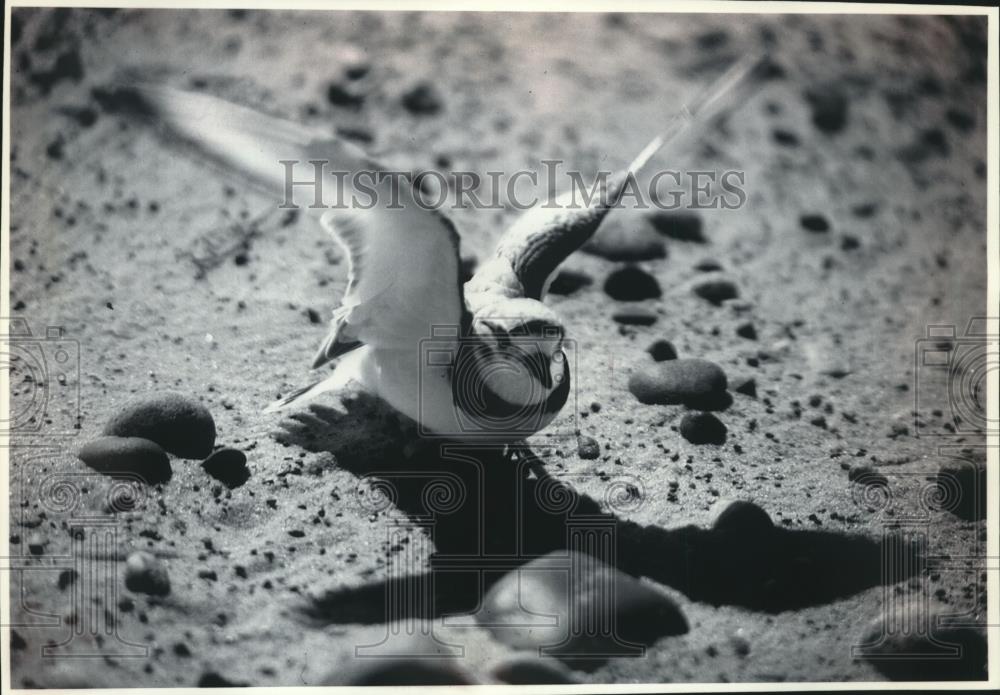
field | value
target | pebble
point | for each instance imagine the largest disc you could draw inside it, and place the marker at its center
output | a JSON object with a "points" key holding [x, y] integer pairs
{"points": [[619, 243], [573, 587], [211, 679], [179, 425], [746, 385], [341, 94], [814, 223], [228, 466], [716, 290], [703, 428], [423, 100], [632, 284], [747, 330], [662, 350], [741, 516], [533, 671], [133, 455], [635, 317], [682, 226], [677, 381], [914, 634], [708, 265], [568, 282], [145, 574], [400, 670], [829, 108], [588, 448]]}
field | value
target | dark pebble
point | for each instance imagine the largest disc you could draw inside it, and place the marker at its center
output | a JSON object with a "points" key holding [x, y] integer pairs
{"points": [[588, 448], [179, 425], [133, 455], [423, 100], [347, 95], [682, 226], [533, 671], [785, 138], [574, 586], [746, 385], [145, 574], [716, 291], [677, 381], [632, 284], [743, 517], [567, 282], [703, 428], [849, 243], [829, 108], [662, 350], [211, 679], [903, 644], [619, 243], [708, 265], [864, 210], [814, 223], [67, 578], [962, 120], [635, 317], [228, 466], [747, 330]]}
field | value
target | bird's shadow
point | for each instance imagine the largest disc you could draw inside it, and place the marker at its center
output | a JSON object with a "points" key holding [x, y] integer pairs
{"points": [[486, 514]]}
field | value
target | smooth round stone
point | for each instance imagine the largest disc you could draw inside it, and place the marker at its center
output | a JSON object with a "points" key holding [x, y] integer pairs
{"points": [[400, 671], [178, 424], [703, 428], [913, 644], [716, 290], [632, 284], [662, 350], [533, 671], [814, 223], [423, 100], [590, 602], [228, 466], [682, 226], [741, 516], [132, 455], [618, 243], [829, 108], [588, 448], [145, 574], [677, 381]]}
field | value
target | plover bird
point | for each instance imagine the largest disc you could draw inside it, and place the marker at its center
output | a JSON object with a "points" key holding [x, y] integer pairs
{"points": [[484, 361]]}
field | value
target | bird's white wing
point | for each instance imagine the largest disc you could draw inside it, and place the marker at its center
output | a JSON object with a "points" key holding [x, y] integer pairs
{"points": [[403, 278], [253, 144]]}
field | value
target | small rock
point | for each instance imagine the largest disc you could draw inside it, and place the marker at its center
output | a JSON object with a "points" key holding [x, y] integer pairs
{"points": [[422, 100], [741, 516], [582, 593], [682, 226], [747, 330], [588, 448], [849, 242], [814, 223], [619, 243], [567, 282], [179, 425], [916, 644], [632, 284], [708, 265], [716, 290], [746, 385], [635, 317], [829, 108], [211, 679], [133, 455], [533, 671], [740, 644], [67, 578], [677, 381], [703, 428], [37, 544], [145, 574], [341, 94], [228, 466], [662, 350]]}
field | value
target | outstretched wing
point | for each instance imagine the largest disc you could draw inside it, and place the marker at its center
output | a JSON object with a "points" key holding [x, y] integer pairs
{"points": [[244, 141], [403, 278]]}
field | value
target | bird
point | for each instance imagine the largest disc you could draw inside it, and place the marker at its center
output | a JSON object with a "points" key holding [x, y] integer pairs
{"points": [[486, 361]]}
